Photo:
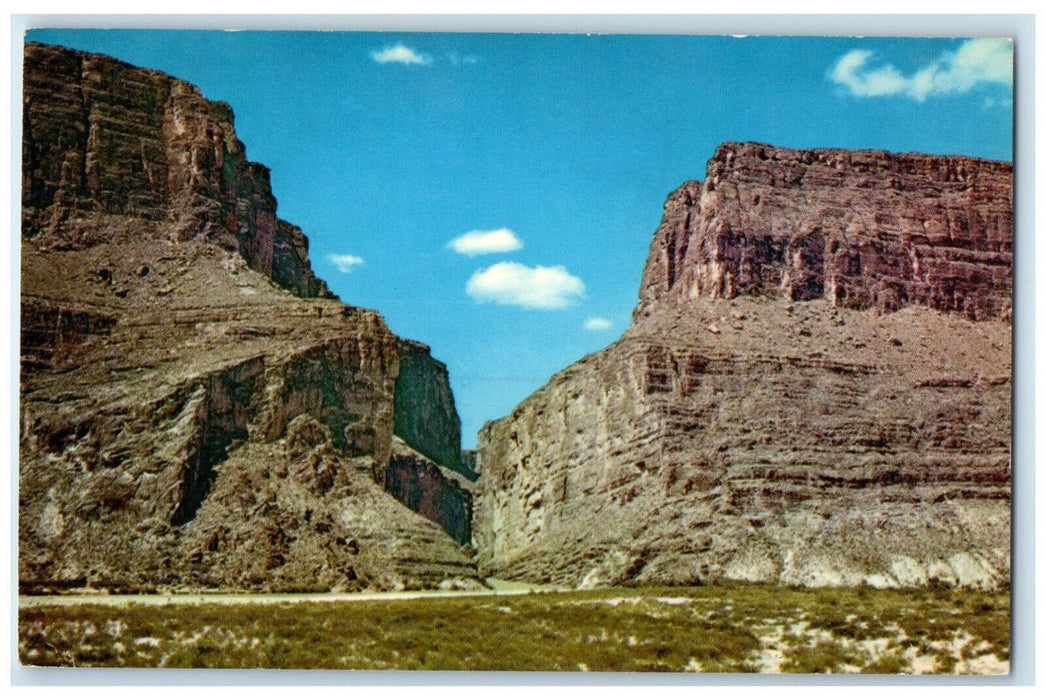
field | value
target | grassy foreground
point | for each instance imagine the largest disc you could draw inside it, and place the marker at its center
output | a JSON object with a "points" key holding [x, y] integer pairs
{"points": [[708, 629]]}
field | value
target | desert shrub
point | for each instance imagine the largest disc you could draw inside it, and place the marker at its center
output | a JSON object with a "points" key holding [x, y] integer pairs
{"points": [[721, 628], [891, 663], [819, 657]]}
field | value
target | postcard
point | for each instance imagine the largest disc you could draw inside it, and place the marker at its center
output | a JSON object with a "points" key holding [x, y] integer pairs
{"points": [[516, 351]]}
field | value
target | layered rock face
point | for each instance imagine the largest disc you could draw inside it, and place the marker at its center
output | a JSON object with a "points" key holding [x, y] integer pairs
{"points": [[196, 410], [775, 414], [148, 154], [439, 494], [428, 471], [862, 229]]}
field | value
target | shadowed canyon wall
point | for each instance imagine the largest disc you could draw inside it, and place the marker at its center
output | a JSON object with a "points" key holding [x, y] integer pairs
{"points": [[426, 417]]}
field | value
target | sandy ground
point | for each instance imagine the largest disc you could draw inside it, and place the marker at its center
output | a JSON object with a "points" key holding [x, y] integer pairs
{"points": [[497, 588]]}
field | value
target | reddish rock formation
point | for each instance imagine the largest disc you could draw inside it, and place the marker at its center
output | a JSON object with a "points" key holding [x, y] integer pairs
{"points": [[147, 152], [765, 419], [439, 494], [862, 229]]}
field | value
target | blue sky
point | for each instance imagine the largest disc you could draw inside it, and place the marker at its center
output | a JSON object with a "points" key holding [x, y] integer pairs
{"points": [[494, 195]]}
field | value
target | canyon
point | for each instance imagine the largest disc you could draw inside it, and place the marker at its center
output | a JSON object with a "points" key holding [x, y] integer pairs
{"points": [[815, 388]]}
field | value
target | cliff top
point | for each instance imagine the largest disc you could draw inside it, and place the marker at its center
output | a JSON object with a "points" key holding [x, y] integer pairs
{"points": [[864, 229], [729, 150]]}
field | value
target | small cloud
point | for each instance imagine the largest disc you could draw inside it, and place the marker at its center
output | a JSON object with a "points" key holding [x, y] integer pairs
{"points": [[991, 102], [598, 323], [473, 243], [344, 263], [458, 59], [976, 62], [513, 284], [401, 54]]}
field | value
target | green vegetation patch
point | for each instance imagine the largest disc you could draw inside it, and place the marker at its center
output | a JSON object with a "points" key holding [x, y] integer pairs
{"points": [[708, 629]]}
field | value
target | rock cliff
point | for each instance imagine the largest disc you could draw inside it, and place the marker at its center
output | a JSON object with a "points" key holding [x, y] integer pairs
{"points": [[862, 229], [426, 417], [148, 155], [815, 390], [439, 494], [197, 410]]}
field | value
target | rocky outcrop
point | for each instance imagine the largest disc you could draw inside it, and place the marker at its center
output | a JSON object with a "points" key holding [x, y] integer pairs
{"points": [[196, 411], [426, 417], [743, 429], [441, 495], [862, 229], [207, 417], [148, 154], [51, 332]]}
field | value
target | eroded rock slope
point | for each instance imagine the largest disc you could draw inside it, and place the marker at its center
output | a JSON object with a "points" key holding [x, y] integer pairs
{"points": [[815, 390], [197, 410]]}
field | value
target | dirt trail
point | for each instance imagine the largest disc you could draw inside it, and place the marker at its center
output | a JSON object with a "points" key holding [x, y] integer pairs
{"points": [[497, 588]]}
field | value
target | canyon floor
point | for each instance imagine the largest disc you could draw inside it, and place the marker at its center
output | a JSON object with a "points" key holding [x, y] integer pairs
{"points": [[710, 629]]}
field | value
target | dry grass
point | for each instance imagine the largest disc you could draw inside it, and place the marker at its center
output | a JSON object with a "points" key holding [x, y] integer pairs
{"points": [[708, 629]]}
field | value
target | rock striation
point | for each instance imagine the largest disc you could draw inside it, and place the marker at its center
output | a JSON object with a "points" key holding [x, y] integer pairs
{"points": [[442, 495], [146, 153], [815, 390], [862, 229], [197, 410]]}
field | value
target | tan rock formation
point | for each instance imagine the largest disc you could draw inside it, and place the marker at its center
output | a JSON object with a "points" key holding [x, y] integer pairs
{"points": [[755, 425], [196, 410]]}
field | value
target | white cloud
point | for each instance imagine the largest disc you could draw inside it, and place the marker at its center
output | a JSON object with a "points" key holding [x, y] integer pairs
{"points": [[990, 102], [457, 59], [511, 283], [344, 263], [598, 323], [500, 240], [401, 54], [975, 62]]}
